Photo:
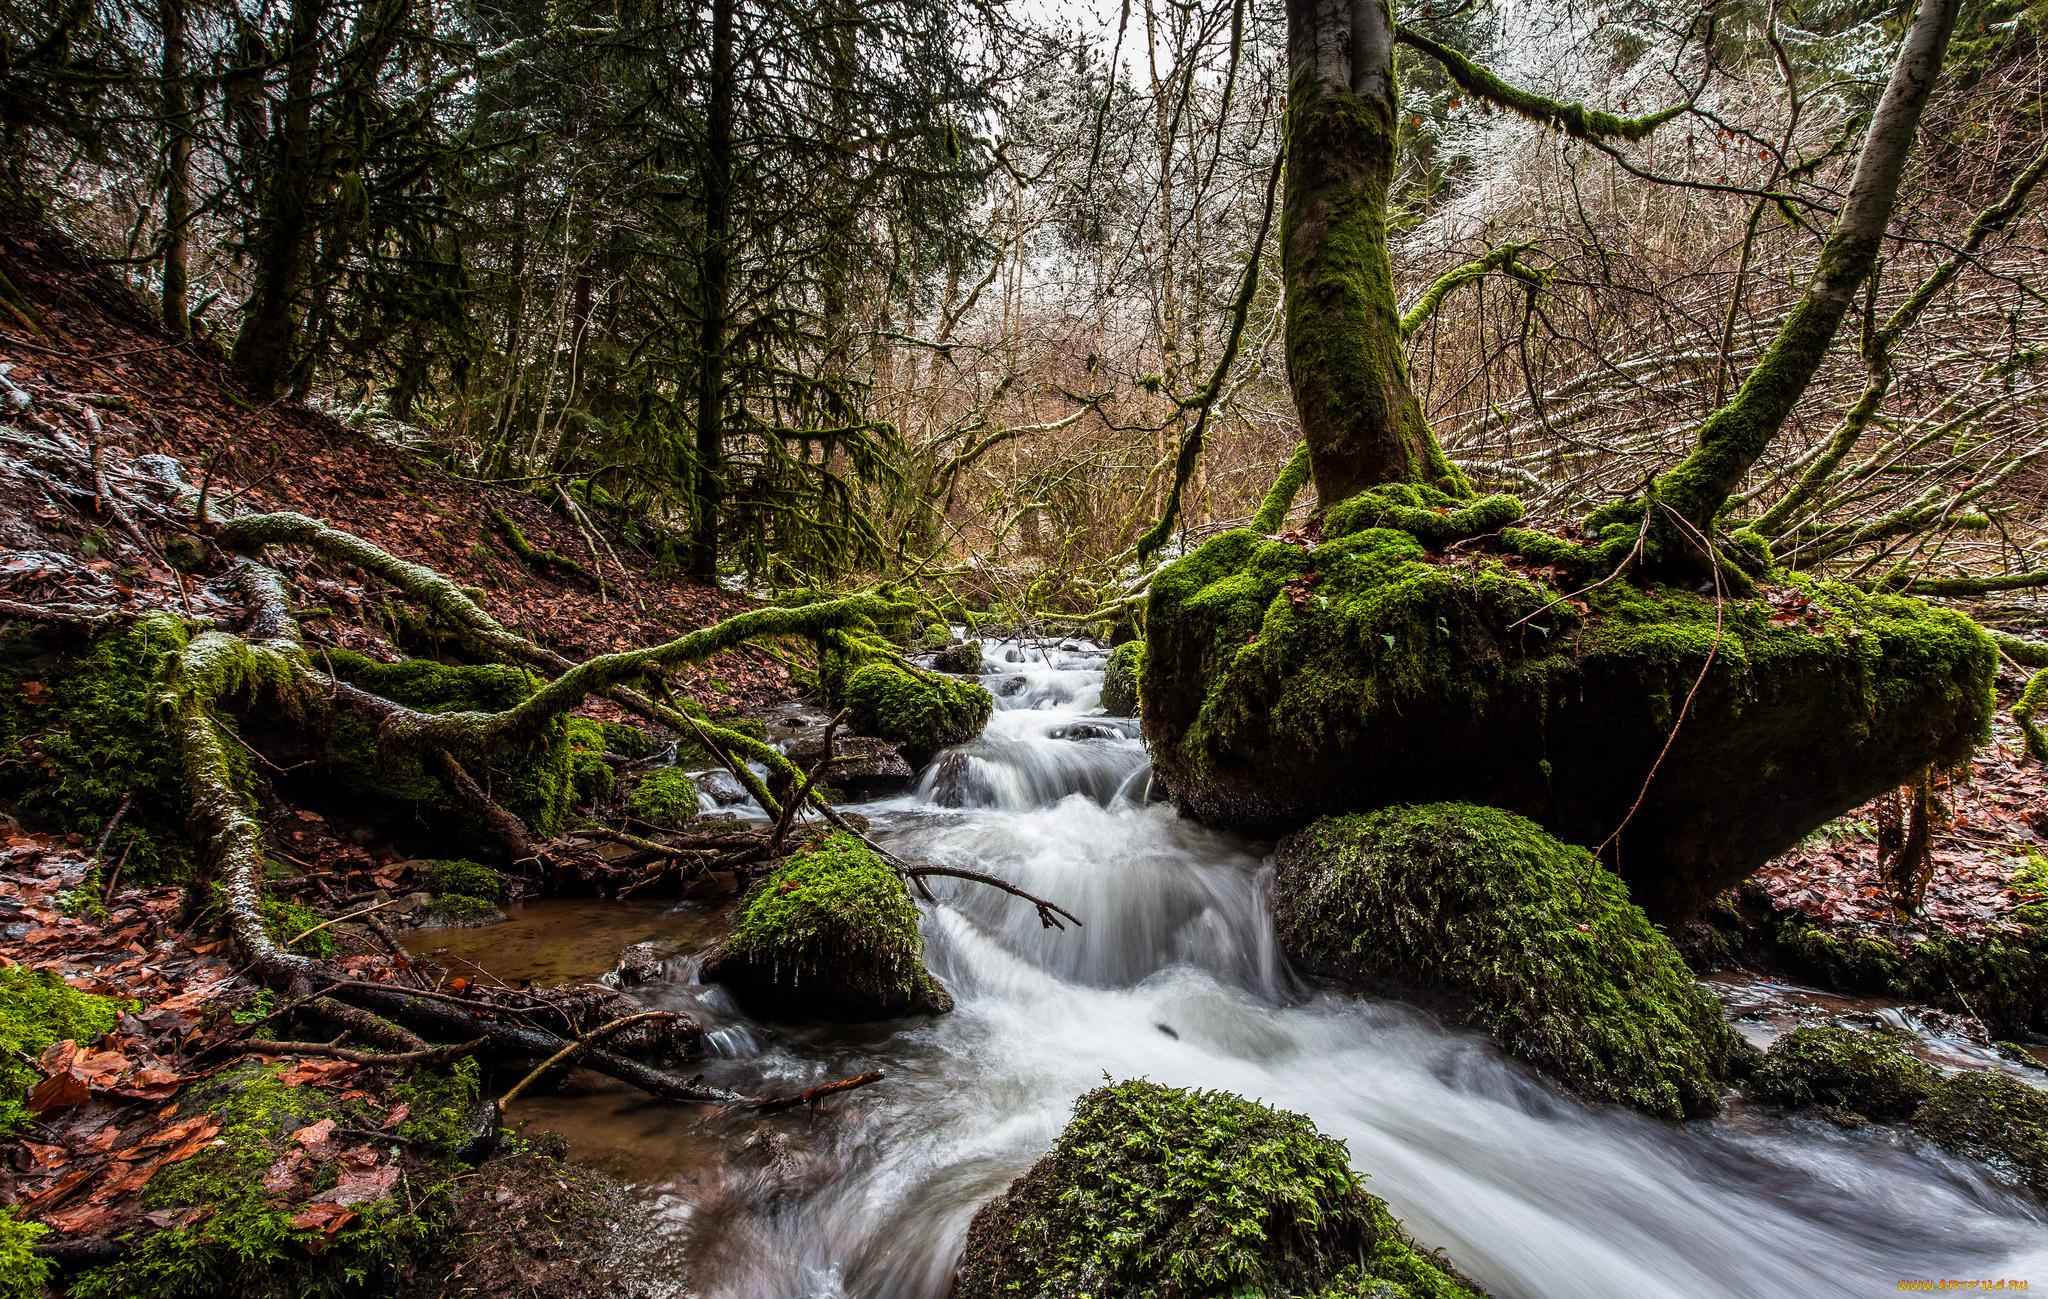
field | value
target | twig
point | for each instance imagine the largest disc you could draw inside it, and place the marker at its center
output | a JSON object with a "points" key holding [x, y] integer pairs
{"points": [[1698, 681], [113, 822], [433, 1055], [594, 1035], [811, 1096], [338, 919], [789, 809], [1045, 908]]}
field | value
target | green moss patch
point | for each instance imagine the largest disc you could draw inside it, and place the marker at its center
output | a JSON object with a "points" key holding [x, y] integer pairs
{"points": [[80, 727], [1120, 679], [1283, 682], [830, 933], [1871, 1074], [922, 712], [21, 1273], [38, 1010], [1993, 1118], [247, 1247], [666, 798], [1531, 939], [1152, 1190], [468, 879], [535, 779]]}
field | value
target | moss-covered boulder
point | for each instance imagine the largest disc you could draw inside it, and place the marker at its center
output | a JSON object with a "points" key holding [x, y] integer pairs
{"points": [[1528, 938], [831, 933], [1188, 1194], [1993, 1118], [1120, 679], [921, 711], [80, 730], [1283, 682], [1871, 1074], [665, 798]]}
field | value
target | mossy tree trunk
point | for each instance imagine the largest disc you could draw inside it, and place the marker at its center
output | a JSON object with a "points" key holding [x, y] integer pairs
{"points": [[1737, 434], [1345, 360]]}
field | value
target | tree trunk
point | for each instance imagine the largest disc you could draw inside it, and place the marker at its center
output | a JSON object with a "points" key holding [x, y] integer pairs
{"points": [[265, 347], [1345, 359], [177, 171], [1737, 434], [716, 289]]}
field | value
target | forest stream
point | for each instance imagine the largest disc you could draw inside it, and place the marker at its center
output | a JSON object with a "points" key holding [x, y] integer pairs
{"points": [[1176, 977]]}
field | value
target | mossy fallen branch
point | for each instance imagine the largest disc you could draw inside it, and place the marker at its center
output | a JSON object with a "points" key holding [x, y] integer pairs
{"points": [[1280, 499], [1575, 120], [529, 554]]}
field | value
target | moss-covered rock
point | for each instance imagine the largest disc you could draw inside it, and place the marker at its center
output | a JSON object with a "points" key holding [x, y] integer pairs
{"points": [[38, 1010], [261, 1237], [535, 780], [918, 710], [1528, 938], [1120, 679], [960, 657], [830, 933], [81, 727], [1187, 1194], [468, 879], [665, 798], [1871, 1074], [1284, 682], [1994, 1118]]}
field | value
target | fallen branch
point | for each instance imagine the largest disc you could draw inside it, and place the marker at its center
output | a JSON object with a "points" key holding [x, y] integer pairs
{"points": [[432, 1055], [597, 1034], [1046, 910], [811, 1096]]}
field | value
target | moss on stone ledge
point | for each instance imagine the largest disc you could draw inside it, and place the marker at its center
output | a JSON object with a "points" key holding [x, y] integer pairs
{"points": [[1994, 1118], [830, 933], [1283, 682], [1870, 1074], [1190, 1194], [1531, 939], [665, 798], [1120, 679]]}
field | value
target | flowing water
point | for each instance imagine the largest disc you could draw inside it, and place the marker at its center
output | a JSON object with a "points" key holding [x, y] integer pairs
{"points": [[1176, 977]]}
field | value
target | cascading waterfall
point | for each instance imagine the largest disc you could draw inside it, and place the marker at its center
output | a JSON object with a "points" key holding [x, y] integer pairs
{"points": [[1176, 977]]}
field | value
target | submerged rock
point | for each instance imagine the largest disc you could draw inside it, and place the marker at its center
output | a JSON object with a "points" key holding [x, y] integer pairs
{"points": [[1120, 679], [1529, 938], [831, 933], [1286, 682], [1867, 1074], [862, 766], [1156, 1191]]}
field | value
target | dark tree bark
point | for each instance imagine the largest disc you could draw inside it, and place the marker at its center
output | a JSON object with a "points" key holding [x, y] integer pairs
{"points": [[268, 341], [177, 170], [716, 290]]}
